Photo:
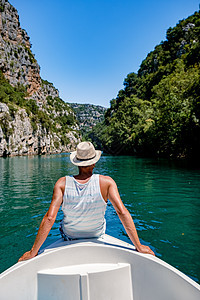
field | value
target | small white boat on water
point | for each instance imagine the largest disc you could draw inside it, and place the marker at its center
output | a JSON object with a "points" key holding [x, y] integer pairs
{"points": [[95, 269]]}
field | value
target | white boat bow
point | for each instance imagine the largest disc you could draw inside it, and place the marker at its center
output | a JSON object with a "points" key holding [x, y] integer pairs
{"points": [[95, 269]]}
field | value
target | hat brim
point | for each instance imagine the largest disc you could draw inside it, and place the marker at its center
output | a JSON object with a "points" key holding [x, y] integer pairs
{"points": [[84, 163]]}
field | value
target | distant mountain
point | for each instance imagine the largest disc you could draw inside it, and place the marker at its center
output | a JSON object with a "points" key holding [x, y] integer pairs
{"points": [[33, 118], [88, 115]]}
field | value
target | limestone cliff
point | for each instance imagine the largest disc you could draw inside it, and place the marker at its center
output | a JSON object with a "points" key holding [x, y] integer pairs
{"points": [[17, 61], [33, 119]]}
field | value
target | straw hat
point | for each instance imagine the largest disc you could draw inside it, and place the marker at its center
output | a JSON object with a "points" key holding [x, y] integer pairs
{"points": [[85, 155]]}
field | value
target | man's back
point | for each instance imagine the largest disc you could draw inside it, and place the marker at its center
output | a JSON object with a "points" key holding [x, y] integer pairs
{"points": [[83, 208]]}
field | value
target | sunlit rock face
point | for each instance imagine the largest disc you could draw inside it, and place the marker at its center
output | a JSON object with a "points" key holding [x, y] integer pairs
{"points": [[20, 132]]}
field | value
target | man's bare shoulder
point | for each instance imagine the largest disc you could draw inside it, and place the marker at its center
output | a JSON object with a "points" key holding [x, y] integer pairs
{"points": [[61, 182], [106, 179]]}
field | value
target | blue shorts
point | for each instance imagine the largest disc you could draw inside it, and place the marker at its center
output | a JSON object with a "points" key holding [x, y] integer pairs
{"points": [[64, 236]]}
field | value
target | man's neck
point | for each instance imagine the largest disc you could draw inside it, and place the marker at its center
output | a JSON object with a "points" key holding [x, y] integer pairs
{"points": [[84, 173]]}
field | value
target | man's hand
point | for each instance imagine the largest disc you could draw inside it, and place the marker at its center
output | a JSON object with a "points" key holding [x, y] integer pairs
{"points": [[27, 255], [145, 249]]}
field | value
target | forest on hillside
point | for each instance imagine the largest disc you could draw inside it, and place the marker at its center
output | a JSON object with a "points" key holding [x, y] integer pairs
{"points": [[88, 115], [158, 111]]}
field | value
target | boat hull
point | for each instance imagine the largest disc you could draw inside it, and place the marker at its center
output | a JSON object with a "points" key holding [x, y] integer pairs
{"points": [[94, 269]]}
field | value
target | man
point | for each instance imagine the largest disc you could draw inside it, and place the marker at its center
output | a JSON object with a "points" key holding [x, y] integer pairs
{"points": [[84, 198]]}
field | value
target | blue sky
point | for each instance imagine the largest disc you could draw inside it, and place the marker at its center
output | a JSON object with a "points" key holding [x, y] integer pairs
{"points": [[87, 47]]}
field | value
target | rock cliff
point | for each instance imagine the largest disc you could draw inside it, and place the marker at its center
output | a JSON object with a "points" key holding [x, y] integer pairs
{"points": [[33, 119], [17, 61]]}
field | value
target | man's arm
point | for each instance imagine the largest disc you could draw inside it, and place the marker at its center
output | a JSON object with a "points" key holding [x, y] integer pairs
{"points": [[48, 220], [125, 217]]}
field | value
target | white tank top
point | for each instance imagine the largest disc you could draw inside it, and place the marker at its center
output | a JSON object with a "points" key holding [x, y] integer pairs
{"points": [[83, 208]]}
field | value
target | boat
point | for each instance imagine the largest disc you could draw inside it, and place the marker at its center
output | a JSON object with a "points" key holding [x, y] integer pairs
{"points": [[95, 269]]}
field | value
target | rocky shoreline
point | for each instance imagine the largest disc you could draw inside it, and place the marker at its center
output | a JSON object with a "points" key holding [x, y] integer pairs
{"points": [[22, 140]]}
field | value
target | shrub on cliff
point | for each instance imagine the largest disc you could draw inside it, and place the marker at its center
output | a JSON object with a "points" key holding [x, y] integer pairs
{"points": [[10, 94]]}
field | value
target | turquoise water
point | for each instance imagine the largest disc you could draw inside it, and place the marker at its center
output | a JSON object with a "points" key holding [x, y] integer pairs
{"points": [[163, 198]]}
